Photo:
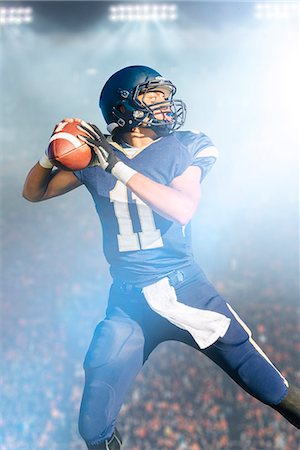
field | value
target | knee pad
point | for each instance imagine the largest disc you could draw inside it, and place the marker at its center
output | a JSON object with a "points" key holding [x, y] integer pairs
{"points": [[261, 379], [95, 411]]}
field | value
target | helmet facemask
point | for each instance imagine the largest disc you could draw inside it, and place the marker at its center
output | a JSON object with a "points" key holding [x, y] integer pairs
{"points": [[163, 116]]}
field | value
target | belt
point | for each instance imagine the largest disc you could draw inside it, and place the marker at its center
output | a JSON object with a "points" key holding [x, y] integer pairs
{"points": [[176, 277]]}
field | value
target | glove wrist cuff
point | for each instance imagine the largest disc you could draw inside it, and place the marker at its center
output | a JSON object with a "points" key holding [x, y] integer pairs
{"points": [[122, 172], [44, 161]]}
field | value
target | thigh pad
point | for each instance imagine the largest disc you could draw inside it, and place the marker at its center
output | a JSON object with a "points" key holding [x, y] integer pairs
{"points": [[114, 338]]}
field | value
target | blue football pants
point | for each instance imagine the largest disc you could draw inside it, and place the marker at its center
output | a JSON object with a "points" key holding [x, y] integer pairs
{"points": [[130, 331]]}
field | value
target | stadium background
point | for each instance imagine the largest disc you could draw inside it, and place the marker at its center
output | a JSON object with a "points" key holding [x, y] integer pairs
{"points": [[239, 75]]}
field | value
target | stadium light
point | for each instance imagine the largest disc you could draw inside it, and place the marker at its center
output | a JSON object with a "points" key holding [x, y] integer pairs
{"points": [[275, 10], [15, 16], [143, 13]]}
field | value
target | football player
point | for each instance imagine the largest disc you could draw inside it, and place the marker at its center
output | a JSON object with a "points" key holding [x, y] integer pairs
{"points": [[145, 179]]}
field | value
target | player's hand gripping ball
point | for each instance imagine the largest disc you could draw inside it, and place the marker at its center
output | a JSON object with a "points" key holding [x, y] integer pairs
{"points": [[66, 150]]}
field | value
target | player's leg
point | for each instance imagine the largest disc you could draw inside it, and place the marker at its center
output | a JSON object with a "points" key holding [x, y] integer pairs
{"points": [[249, 366], [113, 360], [289, 407], [238, 354], [246, 363]]}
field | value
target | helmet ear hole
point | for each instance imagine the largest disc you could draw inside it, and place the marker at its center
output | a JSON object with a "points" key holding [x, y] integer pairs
{"points": [[121, 108]]}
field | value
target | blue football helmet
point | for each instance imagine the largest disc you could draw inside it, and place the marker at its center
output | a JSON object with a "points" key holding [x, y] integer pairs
{"points": [[123, 109]]}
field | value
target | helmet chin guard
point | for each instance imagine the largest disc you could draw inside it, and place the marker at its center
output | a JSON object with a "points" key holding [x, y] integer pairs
{"points": [[122, 108]]}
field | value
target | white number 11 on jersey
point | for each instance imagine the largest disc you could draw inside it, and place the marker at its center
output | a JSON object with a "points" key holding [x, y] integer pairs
{"points": [[149, 237]]}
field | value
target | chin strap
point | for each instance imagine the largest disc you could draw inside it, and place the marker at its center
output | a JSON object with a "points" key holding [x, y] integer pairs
{"points": [[114, 443]]}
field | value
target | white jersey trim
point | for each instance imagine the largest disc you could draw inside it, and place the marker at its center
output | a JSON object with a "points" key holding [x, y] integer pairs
{"points": [[208, 151]]}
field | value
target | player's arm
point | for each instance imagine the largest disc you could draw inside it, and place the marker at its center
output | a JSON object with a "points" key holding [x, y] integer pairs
{"points": [[177, 202], [42, 183]]}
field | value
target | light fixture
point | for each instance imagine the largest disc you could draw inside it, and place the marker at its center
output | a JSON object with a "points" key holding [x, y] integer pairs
{"points": [[143, 13], [15, 16], [275, 10]]}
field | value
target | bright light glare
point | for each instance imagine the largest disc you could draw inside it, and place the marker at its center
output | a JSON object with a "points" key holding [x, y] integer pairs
{"points": [[15, 16], [275, 10], [141, 13]]}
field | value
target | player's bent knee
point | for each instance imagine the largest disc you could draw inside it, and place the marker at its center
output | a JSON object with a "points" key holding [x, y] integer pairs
{"points": [[95, 417], [262, 379]]}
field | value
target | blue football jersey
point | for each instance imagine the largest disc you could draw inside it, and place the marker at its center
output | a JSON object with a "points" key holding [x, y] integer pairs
{"points": [[140, 245]]}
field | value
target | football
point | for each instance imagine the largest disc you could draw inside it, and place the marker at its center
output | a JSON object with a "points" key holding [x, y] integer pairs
{"points": [[65, 150]]}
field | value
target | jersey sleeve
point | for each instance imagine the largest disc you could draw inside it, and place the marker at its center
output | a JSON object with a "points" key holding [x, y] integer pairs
{"points": [[85, 175], [201, 149], [79, 174]]}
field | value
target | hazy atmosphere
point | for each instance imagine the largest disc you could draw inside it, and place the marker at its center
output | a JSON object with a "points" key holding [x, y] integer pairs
{"points": [[236, 66]]}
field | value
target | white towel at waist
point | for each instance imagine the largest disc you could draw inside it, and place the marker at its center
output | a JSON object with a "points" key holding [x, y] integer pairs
{"points": [[205, 326]]}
